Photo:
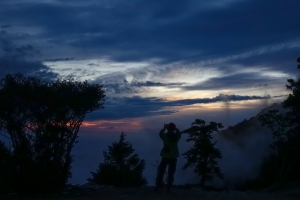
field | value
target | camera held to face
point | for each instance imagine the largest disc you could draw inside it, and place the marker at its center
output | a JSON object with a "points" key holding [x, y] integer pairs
{"points": [[171, 126], [166, 126]]}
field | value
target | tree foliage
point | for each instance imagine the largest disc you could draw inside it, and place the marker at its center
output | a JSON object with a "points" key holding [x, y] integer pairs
{"points": [[121, 167], [42, 119], [203, 154], [284, 161]]}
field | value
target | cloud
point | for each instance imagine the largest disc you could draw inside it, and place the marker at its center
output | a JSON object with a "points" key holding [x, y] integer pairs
{"points": [[92, 64], [260, 79], [275, 59], [137, 106], [9, 49], [179, 42], [58, 59], [136, 31], [154, 84], [233, 78], [219, 98], [21, 59], [5, 26], [199, 36]]}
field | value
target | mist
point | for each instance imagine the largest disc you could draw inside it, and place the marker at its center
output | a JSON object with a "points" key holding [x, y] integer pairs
{"points": [[243, 147]]}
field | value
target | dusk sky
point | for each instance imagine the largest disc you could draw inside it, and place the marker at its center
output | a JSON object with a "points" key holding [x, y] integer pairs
{"points": [[159, 61]]}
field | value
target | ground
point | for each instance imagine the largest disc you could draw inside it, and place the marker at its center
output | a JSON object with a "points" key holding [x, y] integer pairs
{"points": [[147, 192]]}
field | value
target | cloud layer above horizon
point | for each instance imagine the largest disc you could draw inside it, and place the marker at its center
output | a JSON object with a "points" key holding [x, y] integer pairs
{"points": [[155, 56]]}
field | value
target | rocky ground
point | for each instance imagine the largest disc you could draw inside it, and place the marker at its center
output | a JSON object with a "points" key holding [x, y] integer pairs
{"points": [[97, 192]]}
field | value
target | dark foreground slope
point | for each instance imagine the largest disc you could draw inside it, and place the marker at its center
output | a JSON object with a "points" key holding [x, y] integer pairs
{"points": [[146, 192]]}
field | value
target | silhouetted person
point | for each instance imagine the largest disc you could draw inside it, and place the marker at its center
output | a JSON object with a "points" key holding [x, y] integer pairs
{"points": [[169, 154]]}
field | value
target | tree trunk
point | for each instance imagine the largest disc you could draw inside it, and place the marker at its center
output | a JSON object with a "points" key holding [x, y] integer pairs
{"points": [[203, 179], [204, 175]]}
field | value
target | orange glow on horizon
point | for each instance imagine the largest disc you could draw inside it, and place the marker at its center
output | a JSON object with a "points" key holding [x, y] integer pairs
{"points": [[126, 125]]}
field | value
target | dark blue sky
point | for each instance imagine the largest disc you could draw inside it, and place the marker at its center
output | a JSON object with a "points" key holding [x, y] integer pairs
{"points": [[159, 61]]}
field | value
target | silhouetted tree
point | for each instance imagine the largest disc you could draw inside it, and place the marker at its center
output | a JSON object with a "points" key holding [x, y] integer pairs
{"points": [[203, 154], [120, 167], [6, 172], [43, 119], [284, 161]]}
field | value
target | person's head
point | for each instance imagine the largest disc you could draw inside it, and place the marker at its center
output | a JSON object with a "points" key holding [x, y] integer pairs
{"points": [[171, 126]]}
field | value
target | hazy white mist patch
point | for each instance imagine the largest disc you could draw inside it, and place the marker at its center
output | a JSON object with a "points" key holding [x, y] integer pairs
{"points": [[242, 152]]}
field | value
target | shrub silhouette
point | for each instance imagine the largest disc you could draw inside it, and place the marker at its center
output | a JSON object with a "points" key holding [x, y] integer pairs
{"points": [[203, 154], [42, 119], [120, 167]]}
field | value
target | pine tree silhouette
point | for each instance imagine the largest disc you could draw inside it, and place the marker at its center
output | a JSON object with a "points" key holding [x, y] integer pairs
{"points": [[120, 167], [203, 154]]}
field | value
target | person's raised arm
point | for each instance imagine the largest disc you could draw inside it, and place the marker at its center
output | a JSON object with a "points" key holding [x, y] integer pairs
{"points": [[178, 133], [162, 131]]}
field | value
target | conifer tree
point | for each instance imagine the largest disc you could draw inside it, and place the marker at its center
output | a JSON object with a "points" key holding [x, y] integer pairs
{"points": [[203, 154], [282, 165], [121, 167]]}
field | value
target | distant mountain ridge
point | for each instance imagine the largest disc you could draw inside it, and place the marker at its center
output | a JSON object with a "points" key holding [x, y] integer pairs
{"points": [[248, 127], [244, 146]]}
